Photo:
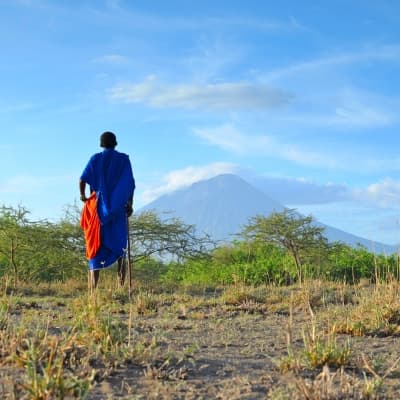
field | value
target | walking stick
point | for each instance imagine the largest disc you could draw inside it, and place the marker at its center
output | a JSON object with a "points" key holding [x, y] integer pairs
{"points": [[129, 260]]}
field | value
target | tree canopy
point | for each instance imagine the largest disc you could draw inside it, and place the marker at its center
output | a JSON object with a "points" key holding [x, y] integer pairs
{"points": [[46, 251], [298, 234]]}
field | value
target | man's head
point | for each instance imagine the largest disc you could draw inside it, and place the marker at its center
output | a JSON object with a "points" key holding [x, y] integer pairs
{"points": [[108, 140]]}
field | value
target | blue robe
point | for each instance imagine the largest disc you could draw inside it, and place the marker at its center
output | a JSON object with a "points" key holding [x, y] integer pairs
{"points": [[109, 174]]}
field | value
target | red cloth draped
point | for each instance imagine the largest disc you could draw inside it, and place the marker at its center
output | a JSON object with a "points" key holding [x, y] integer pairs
{"points": [[90, 224]]}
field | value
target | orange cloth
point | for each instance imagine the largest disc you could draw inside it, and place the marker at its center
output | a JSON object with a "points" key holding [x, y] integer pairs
{"points": [[90, 224]]}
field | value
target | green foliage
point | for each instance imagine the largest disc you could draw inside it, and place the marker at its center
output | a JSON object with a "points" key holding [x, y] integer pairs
{"points": [[149, 270], [352, 264], [298, 235], [44, 251], [253, 264], [281, 249], [38, 250], [14, 238], [257, 263]]}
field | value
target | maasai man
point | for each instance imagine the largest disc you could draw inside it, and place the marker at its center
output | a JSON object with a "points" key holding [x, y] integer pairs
{"points": [[104, 216]]}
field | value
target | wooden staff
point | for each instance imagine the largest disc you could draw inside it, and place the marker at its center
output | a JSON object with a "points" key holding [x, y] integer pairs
{"points": [[129, 260]]}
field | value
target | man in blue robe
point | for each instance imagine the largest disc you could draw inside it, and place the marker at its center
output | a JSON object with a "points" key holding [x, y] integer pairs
{"points": [[110, 178]]}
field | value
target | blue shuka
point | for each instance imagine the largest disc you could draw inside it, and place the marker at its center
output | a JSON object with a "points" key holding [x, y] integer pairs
{"points": [[109, 174]]}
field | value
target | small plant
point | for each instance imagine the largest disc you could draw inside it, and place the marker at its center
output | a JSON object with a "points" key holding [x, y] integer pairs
{"points": [[353, 328], [371, 386], [375, 313], [145, 302], [238, 294], [325, 351], [45, 375], [319, 349], [4, 315]]}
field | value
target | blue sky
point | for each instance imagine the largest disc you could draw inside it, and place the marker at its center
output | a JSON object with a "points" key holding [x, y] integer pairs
{"points": [[302, 96]]}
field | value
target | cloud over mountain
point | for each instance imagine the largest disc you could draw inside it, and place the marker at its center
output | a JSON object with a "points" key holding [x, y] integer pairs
{"points": [[182, 178]]}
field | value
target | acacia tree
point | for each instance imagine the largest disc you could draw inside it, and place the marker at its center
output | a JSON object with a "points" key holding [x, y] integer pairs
{"points": [[38, 250], [58, 252], [289, 230], [45, 251], [14, 237], [150, 234]]}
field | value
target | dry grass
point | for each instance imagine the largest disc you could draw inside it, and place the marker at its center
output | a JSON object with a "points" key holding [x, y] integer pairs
{"points": [[319, 341]]}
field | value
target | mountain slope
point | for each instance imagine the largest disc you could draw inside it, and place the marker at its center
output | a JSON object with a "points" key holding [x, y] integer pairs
{"points": [[220, 206]]}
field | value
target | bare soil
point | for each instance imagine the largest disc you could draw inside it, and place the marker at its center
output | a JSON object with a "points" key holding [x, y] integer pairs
{"points": [[230, 351], [236, 353]]}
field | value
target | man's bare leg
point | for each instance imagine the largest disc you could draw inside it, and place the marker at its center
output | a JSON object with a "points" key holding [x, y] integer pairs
{"points": [[93, 280], [121, 271]]}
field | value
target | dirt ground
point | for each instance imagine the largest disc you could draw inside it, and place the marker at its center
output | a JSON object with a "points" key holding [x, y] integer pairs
{"points": [[228, 352], [215, 353]]}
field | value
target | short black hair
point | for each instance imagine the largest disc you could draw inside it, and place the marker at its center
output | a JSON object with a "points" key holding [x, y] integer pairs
{"points": [[108, 140]]}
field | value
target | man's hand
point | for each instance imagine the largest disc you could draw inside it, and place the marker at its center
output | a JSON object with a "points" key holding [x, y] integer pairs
{"points": [[129, 209], [83, 198]]}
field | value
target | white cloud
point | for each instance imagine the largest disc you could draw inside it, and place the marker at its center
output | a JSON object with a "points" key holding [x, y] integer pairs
{"points": [[227, 137], [352, 108], [368, 54], [216, 96], [231, 139], [385, 193], [328, 96], [360, 108], [359, 116], [178, 179], [358, 111]]}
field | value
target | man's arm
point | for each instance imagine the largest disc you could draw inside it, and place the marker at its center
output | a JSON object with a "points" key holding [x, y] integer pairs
{"points": [[129, 206], [82, 187]]}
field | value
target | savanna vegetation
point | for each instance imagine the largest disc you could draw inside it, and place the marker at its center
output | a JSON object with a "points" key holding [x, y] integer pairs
{"points": [[284, 248], [277, 313]]}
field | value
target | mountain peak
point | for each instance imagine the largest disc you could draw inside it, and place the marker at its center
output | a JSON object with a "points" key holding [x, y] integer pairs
{"points": [[222, 205], [218, 206]]}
